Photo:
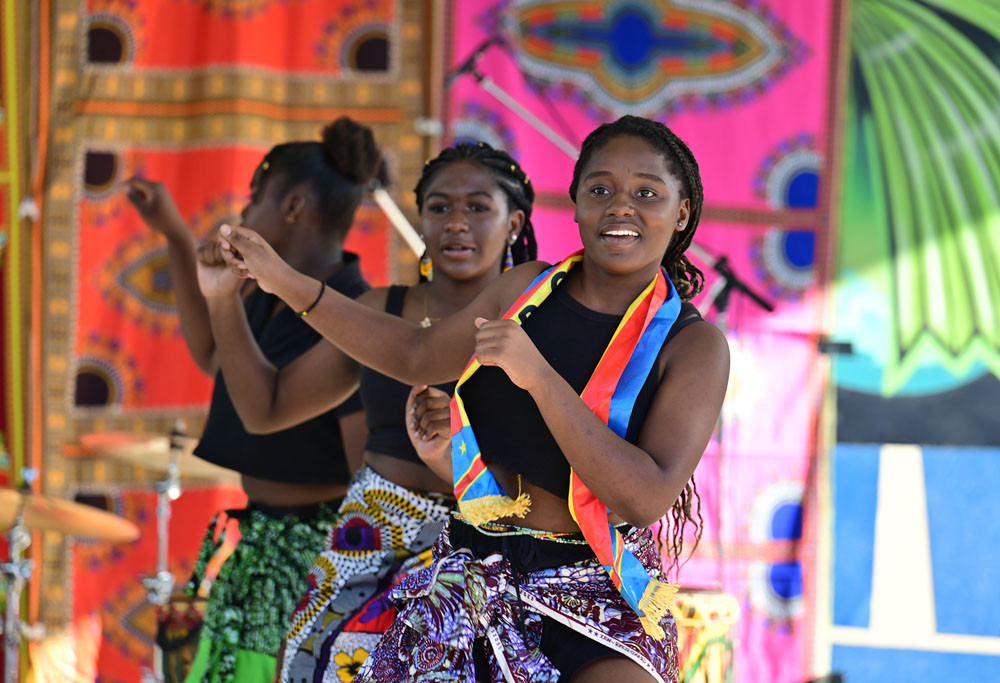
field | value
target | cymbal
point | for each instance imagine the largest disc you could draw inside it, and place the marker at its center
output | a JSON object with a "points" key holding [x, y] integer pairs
{"points": [[153, 451], [45, 513]]}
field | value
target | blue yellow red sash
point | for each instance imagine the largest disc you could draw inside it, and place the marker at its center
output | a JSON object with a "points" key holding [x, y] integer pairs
{"points": [[611, 393]]}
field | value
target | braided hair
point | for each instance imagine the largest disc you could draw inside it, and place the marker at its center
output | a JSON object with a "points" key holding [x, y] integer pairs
{"points": [[337, 170], [686, 277], [682, 165], [509, 176]]}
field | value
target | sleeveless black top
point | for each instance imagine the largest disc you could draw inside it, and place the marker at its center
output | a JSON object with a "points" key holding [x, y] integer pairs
{"points": [[311, 452], [384, 400], [508, 425]]}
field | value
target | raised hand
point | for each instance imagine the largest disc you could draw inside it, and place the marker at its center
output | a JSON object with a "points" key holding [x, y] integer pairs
{"points": [[428, 424], [153, 202], [503, 344], [249, 255], [215, 278]]}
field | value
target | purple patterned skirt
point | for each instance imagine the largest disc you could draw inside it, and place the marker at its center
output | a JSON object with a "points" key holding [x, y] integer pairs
{"points": [[504, 600]]}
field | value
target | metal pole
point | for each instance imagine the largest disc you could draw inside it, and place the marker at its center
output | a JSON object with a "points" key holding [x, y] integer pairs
{"points": [[160, 587], [506, 100], [16, 573]]}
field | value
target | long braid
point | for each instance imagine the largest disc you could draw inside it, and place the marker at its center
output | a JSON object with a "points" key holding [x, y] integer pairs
{"points": [[509, 176], [685, 275]]}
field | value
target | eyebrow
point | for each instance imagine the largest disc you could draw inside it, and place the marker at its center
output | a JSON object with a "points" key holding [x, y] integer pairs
{"points": [[475, 193], [647, 176]]}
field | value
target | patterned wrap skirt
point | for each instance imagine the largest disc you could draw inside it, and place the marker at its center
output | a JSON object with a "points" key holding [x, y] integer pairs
{"points": [[384, 532], [257, 588], [499, 616]]}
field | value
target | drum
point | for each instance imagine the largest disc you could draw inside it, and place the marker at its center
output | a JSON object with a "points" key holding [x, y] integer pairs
{"points": [[705, 641]]}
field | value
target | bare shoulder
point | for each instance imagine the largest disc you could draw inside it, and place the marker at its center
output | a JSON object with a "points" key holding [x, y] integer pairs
{"points": [[374, 298], [512, 283], [700, 346]]}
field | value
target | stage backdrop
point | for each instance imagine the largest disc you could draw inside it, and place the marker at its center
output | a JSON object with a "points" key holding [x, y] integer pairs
{"points": [[748, 87], [915, 475], [191, 93]]}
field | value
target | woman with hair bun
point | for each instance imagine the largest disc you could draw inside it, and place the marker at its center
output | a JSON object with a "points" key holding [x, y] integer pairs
{"points": [[303, 196]]}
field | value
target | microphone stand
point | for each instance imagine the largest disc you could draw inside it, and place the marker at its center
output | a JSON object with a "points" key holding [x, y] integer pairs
{"points": [[519, 109], [502, 96]]}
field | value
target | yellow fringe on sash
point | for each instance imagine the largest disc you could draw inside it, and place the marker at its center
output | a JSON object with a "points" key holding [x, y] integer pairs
{"points": [[488, 508], [656, 602]]}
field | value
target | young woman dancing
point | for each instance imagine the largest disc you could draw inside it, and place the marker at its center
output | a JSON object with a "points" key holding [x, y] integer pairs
{"points": [[303, 198], [475, 208], [590, 397]]}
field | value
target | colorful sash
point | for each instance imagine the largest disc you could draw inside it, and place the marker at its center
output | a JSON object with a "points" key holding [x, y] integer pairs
{"points": [[611, 393]]}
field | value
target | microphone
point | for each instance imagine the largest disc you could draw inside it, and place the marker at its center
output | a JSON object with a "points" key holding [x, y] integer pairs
{"points": [[469, 65]]}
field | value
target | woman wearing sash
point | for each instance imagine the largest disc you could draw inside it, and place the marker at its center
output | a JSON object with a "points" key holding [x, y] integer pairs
{"points": [[475, 207], [590, 397]]}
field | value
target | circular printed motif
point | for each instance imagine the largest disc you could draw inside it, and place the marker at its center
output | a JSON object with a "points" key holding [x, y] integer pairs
{"points": [[96, 385], [114, 32], [429, 655], [105, 373], [370, 51], [479, 124], [789, 178], [776, 515], [100, 171]]}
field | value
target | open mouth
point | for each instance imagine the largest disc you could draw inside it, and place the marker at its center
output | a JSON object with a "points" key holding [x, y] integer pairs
{"points": [[457, 250], [619, 236]]}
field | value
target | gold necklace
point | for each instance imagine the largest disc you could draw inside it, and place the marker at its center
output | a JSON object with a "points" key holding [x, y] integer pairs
{"points": [[428, 320]]}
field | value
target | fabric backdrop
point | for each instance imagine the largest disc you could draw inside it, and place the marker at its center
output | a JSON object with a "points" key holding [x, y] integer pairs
{"points": [[747, 85], [192, 93]]}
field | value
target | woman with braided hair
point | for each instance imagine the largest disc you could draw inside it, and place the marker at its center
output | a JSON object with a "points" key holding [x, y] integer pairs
{"points": [[590, 396], [475, 206]]}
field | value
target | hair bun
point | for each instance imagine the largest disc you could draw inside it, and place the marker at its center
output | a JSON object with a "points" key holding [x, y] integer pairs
{"points": [[352, 149]]}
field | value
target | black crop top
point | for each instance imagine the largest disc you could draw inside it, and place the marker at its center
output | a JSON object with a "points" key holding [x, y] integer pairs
{"points": [[311, 452], [508, 425], [384, 400]]}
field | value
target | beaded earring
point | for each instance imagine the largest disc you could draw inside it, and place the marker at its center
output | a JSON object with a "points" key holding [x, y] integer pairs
{"points": [[508, 261], [426, 267]]}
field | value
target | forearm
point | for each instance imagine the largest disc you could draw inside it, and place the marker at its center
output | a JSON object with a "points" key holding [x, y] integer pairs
{"points": [[386, 343], [441, 467], [622, 476], [251, 379], [191, 305]]}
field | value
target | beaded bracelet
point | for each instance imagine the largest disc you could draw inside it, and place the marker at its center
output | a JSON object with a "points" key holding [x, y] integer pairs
{"points": [[322, 288]]}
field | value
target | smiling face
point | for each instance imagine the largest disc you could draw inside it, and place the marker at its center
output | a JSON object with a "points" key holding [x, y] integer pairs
{"points": [[466, 221], [628, 206]]}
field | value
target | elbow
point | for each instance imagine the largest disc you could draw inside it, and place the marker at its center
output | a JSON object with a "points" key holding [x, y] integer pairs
{"points": [[259, 424], [206, 363], [642, 517], [639, 511], [645, 510]]}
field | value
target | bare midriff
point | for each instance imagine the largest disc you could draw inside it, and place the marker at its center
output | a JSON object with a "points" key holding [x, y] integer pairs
{"points": [[284, 494], [548, 512], [410, 475]]}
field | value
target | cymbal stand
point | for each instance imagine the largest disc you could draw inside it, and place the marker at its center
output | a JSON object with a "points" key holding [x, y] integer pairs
{"points": [[15, 572], [160, 586]]}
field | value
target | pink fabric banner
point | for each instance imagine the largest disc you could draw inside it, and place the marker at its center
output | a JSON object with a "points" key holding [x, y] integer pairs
{"points": [[745, 84]]}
